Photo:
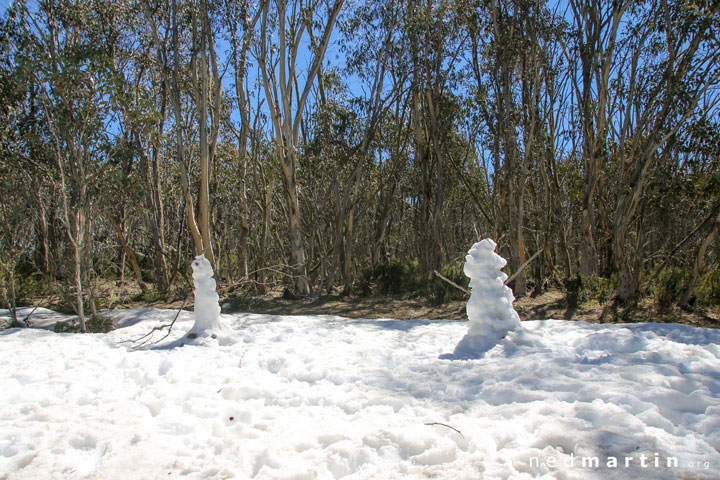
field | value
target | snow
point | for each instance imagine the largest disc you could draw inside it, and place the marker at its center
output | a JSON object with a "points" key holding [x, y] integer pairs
{"points": [[489, 309], [323, 397], [207, 306]]}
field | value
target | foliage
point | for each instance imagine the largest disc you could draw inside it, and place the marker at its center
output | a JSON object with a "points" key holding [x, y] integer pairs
{"points": [[408, 279], [426, 126], [708, 286], [598, 289], [439, 291], [394, 278], [668, 287]]}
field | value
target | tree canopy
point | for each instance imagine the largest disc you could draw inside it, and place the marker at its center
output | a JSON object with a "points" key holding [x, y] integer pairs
{"points": [[360, 146]]}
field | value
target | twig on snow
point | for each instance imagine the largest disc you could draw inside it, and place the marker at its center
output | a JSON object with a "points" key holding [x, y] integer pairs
{"points": [[26, 320], [446, 425], [137, 345]]}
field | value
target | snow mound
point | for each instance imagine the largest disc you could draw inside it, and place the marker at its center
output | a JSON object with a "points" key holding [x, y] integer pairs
{"points": [[320, 397], [489, 308]]}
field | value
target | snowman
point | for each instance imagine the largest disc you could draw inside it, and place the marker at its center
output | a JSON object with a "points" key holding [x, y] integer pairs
{"points": [[207, 307], [489, 309]]}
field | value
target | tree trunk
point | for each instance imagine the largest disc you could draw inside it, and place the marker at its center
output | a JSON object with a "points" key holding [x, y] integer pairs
{"points": [[77, 255], [297, 245], [14, 322], [129, 251], [348, 248], [699, 262], [156, 216], [265, 238]]}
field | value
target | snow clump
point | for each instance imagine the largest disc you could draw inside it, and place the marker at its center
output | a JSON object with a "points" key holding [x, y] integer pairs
{"points": [[489, 308]]}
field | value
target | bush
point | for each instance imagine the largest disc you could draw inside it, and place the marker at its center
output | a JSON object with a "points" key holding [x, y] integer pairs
{"points": [[439, 291], [405, 278], [597, 289], [571, 290], [708, 287], [392, 278], [668, 287]]}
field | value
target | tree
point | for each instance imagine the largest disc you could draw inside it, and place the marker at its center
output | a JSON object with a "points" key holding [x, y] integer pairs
{"points": [[287, 97], [71, 72], [597, 26], [661, 93], [240, 23], [206, 95]]}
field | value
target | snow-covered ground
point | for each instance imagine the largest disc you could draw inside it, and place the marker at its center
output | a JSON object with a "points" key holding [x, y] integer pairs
{"points": [[322, 397]]}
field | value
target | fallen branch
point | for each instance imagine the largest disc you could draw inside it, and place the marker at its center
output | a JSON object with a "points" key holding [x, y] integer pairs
{"points": [[149, 335], [26, 320], [522, 267], [445, 425], [451, 282]]}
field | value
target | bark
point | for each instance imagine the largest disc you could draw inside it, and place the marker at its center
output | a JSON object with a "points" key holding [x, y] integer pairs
{"points": [[240, 47], [700, 262], [130, 253], [599, 31], [77, 256], [10, 272], [297, 243], [348, 248], [280, 91]]}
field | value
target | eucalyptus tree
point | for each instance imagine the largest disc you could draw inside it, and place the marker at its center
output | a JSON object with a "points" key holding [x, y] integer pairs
{"points": [[72, 75], [140, 99], [593, 60], [186, 43], [283, 27], [509, 60], [348, 122], [435, 41], [18, 143], [240, 19], [669, 75]]}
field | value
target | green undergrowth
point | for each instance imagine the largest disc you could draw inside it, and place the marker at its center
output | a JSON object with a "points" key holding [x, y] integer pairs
{"points": [[408, 279]]}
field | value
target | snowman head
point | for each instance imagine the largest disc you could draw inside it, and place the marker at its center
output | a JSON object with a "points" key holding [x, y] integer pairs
{"points": [[201, 267]]}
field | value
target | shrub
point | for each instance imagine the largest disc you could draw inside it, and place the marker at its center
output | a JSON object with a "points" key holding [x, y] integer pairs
{"points": [[439, 291], [392, 278], [597, 289], [667, 288], [406, 278], [708, 287]]}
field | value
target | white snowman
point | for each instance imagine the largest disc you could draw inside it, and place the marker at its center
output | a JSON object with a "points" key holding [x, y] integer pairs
{"points": [[207, 306], [489, 309]]}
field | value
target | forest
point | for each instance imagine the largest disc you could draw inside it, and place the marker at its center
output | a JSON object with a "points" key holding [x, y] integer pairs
{"points": [[358, 147]]}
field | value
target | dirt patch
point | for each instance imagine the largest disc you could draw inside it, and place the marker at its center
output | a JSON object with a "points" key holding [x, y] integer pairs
{"points": [[348, 306], [549, 305]]}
